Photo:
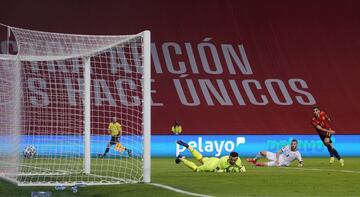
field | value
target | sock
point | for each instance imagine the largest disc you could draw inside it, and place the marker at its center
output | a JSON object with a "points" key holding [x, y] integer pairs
{"points": [[336, 154], [260, 164], [106, 151], [330, 150], [258, 156], [189, 164], [195, 153]]}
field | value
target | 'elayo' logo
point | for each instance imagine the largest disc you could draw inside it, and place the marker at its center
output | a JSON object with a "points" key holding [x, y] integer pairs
{"points": [[214, 147]]}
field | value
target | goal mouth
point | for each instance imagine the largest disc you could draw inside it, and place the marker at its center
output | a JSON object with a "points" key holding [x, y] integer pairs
{"points": [[59, 96]]}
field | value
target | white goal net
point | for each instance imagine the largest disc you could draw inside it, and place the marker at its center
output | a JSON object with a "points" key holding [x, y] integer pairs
{"points": [[58, 96]]}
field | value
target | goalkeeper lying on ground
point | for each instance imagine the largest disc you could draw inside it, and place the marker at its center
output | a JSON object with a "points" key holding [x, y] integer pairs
{"points": [[231, 163]]}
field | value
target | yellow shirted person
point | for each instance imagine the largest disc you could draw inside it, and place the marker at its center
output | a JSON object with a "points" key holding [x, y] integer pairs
{"points": [[176, 128], [115, 130], [231, 163]]}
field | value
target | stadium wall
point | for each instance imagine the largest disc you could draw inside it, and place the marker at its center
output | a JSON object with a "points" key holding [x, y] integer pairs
{"points": [[224, 66]]}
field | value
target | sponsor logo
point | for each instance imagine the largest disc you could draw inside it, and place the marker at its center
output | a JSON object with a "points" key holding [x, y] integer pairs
{"points": [[212, 146]]}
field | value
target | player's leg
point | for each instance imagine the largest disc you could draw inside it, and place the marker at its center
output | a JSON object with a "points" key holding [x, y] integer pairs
{"points": [[272, 163], [106, 151], [112, 142], [257, 157], [116, 140], [267, 164], [198, 156], [119, 147], [326, 141], [330, 150], [188, 163], [210, 165], [129, 151], [270, 156], [336, 154], [333, 152]]}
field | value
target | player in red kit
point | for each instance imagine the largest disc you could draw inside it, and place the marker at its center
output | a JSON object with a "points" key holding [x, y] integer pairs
{"points": [[321, 123]]}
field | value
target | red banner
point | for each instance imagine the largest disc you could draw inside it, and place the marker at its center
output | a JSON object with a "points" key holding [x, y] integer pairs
{"points": [[229, 67]]}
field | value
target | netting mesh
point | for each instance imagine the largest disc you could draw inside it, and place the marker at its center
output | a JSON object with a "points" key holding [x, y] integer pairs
{"points": [[52, 107], [10, 119], [45, 44]]}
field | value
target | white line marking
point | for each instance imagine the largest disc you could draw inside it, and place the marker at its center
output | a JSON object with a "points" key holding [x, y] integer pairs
{"points": [[178, 190], [317, 169]]}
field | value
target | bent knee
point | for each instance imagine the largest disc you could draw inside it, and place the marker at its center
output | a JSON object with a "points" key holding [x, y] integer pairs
{"points": [[201, 160]]}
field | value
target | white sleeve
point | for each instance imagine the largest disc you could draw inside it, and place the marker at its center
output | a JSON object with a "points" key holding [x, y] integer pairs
{"points": [[299, 158]]}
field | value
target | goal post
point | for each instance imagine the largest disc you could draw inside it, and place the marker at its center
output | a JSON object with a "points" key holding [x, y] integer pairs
{"points": [[87, 115], [58, 95], [147, 107]]}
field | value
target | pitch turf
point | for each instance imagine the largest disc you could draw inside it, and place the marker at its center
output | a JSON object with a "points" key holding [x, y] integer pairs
{"points": [[316, 178]]}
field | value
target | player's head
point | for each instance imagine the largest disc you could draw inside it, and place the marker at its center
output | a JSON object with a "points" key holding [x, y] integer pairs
{"points": [[114, 119], [233, 157], [316, 111], [293, 144], [177, 122]]}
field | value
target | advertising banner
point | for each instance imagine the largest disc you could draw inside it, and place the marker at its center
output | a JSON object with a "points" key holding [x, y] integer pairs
{"points": [[249, 145], [208, 145]]}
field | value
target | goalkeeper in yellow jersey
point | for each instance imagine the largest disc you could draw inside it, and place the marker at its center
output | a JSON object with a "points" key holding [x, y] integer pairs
{"points": [[231, 163], [115, 130]]}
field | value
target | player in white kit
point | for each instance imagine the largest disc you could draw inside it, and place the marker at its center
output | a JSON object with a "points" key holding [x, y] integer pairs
{"points": [[283, 157]]}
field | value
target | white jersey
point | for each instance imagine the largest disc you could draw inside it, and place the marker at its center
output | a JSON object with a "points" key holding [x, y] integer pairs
{"points": [[288, 156]]}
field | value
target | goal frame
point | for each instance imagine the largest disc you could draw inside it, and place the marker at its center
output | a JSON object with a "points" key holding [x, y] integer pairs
{"points": [[146, 106]]}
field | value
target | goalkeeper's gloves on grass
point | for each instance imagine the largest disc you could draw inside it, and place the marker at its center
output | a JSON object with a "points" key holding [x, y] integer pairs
{"points": [[242, 169]]}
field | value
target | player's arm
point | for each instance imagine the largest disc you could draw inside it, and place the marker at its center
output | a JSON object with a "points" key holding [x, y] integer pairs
{"points": [[109, 130], [119, 128], [233, 169], [239, 164], [325, 130], [301, 161], [219, 170], [327, 117], [278, 155]]}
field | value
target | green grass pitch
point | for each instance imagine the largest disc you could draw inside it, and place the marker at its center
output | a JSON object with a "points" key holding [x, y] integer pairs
{"points": [[316, 178]]}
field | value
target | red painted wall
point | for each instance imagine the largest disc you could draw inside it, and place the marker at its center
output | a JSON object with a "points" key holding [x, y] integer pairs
{"points": [[310, 48]]}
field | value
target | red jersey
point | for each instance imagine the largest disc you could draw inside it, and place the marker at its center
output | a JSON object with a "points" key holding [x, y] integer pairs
{"points": [[323, 121]]}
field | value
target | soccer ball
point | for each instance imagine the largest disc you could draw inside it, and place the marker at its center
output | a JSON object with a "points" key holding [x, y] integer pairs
{"points": [[29, 152]]}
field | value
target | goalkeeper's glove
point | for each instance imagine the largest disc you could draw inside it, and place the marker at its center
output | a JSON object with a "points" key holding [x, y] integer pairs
{"points": [[242, 169]]}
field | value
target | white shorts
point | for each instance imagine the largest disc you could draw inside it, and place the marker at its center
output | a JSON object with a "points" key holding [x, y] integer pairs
{"points": [[272, 157]]}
